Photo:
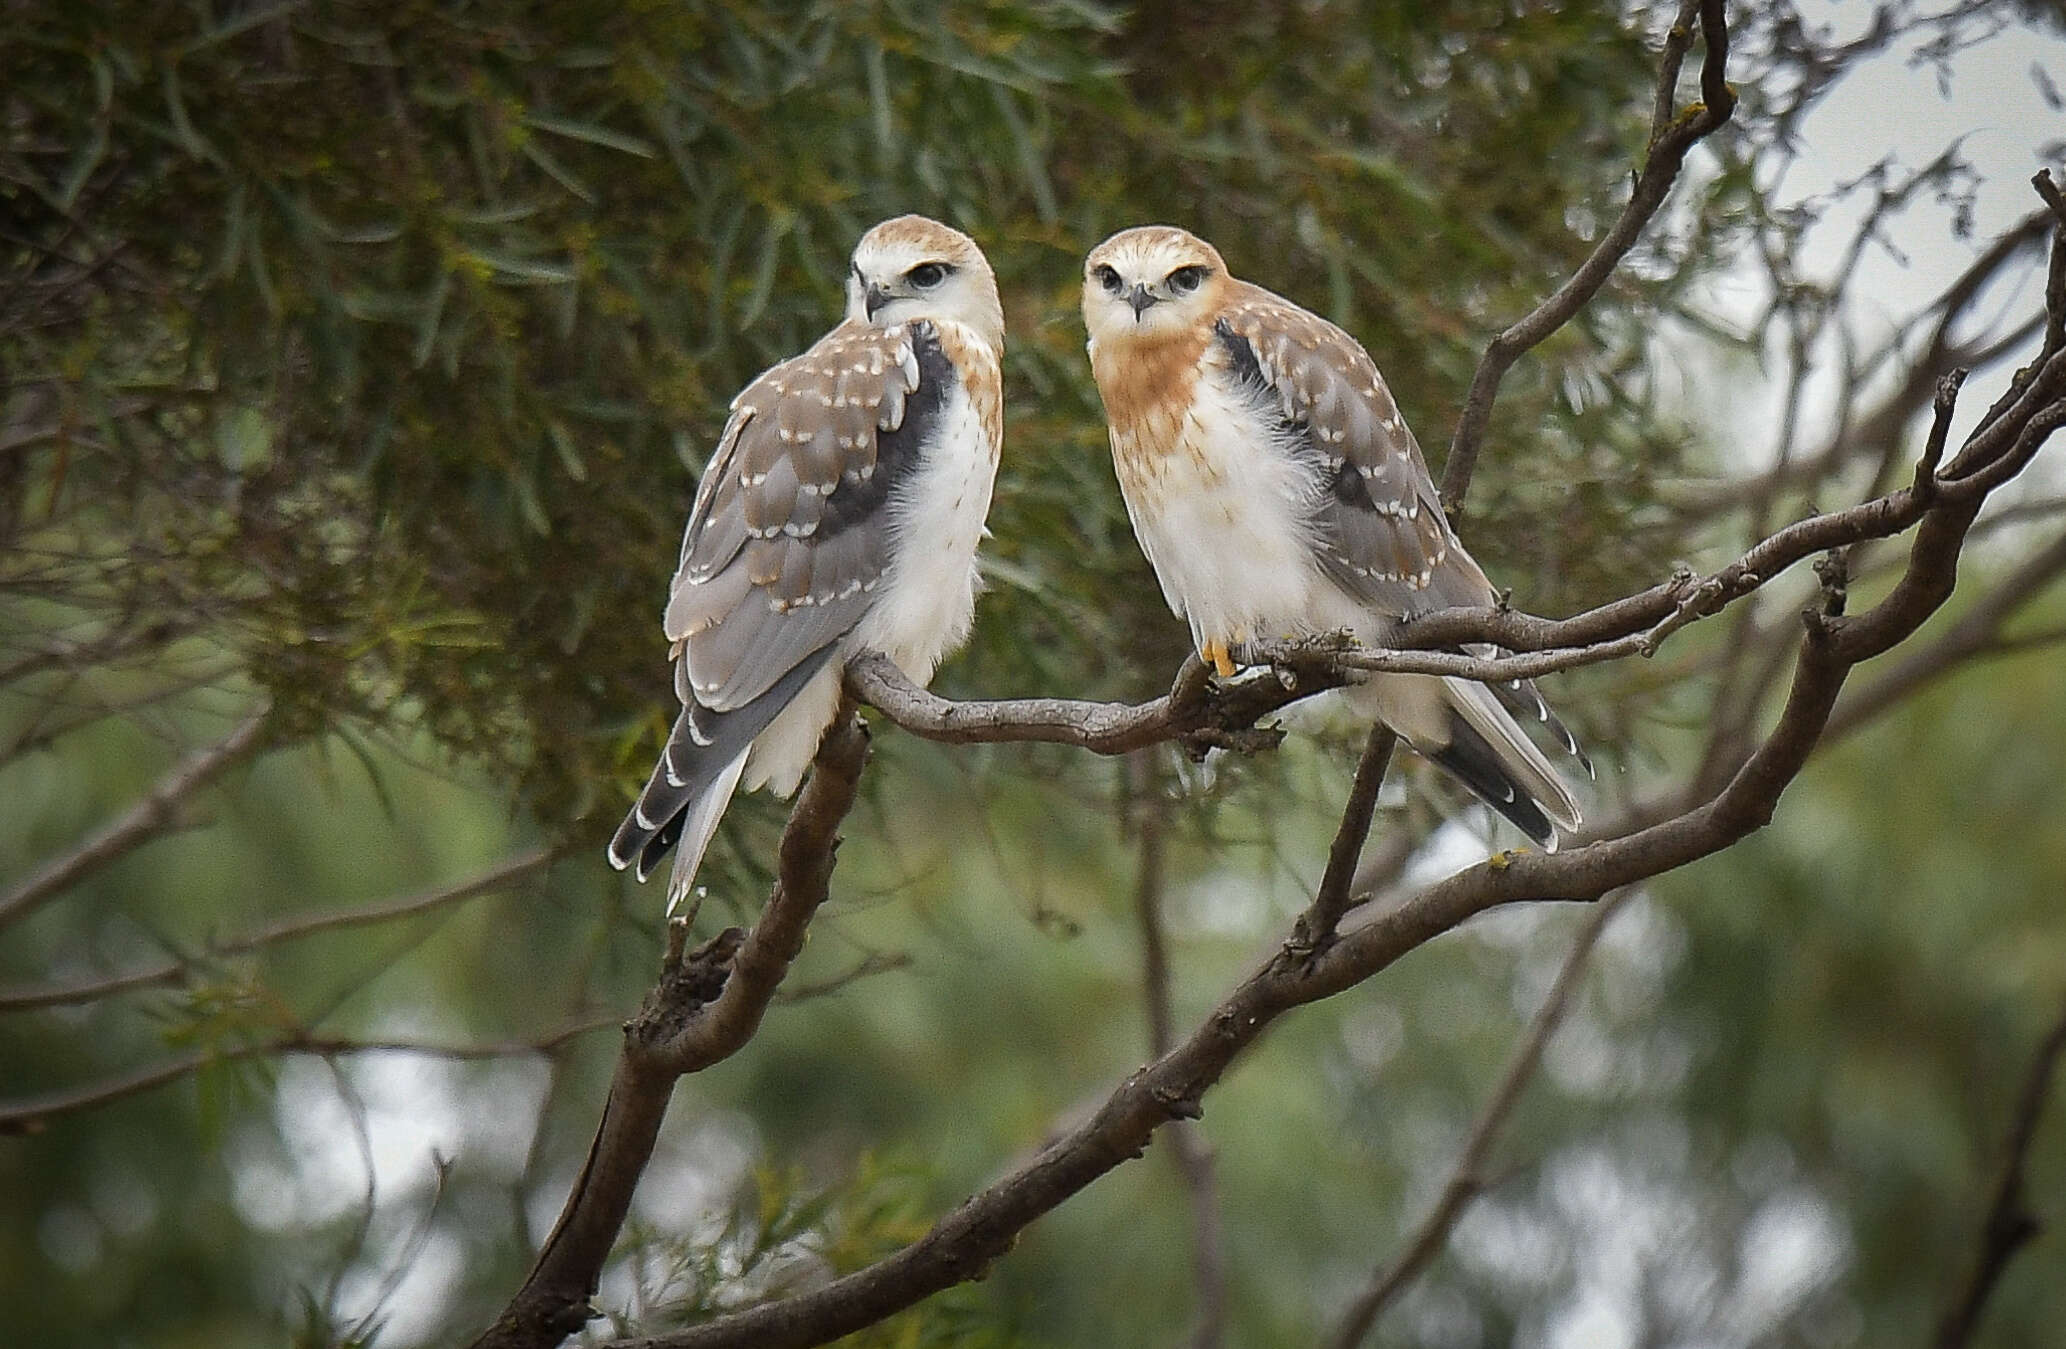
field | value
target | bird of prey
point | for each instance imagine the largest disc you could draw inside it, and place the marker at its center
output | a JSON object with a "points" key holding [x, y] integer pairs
{"points": [[1277, 492], [840, 512]]}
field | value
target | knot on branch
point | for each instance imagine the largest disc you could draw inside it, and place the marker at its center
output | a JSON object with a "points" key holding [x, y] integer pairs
{"points": [[1180, 1104], [1833, 570], [687, 984], [1697, 599]]}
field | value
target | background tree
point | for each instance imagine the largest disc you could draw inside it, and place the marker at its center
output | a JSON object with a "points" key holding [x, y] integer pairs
{"points": [[355, 361]]}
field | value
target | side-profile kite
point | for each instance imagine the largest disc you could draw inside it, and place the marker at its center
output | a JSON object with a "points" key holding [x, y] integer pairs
{"points": [[1277, 492], [840, 511]]}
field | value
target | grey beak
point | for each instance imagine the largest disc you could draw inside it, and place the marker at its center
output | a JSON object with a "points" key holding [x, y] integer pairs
{"points": [[1140, 300], [876, 298]]}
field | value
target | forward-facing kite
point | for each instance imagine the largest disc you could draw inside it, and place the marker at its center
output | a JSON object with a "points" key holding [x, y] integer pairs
{"points": [[1277, 493]]}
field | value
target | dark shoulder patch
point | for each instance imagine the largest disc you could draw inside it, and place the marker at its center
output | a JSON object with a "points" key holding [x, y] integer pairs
{"points": [[1241, 355], [1248, 373]]}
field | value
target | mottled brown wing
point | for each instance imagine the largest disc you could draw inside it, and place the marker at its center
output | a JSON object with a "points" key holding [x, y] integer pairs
{"points": [[1381, 531], [789, 536]]}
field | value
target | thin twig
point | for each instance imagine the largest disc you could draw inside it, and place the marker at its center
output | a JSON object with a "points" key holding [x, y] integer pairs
{"points": [[1467, 1178], [34, 1114], [2009, 1225], [1189, 1149], [1315, 927], [179, 969], [1653, 184], [158, 810]]}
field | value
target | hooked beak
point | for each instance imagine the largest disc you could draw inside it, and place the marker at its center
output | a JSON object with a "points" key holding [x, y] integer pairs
{"points": [[875, 299], [1140, 300]]}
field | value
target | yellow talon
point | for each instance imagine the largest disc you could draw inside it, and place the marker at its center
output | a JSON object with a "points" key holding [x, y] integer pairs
{"points": [[1215, 652]]}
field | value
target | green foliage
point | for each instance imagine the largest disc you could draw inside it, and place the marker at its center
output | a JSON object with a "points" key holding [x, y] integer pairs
{"points": [[418, 312], [360, 357]]}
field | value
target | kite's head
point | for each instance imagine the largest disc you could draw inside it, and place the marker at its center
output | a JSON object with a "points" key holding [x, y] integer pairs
{"points": [[1149, 284], [914, 268]]}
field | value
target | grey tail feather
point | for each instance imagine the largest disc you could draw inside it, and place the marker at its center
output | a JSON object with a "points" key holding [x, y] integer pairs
{"points": [[703, 748], [697, 826], [1471, 760], [1520, 697]]}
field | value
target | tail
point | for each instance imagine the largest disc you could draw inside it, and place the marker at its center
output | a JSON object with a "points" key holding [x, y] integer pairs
{"points": [[1487, 751], [1520, 697], [693, 782], [697, 826]]}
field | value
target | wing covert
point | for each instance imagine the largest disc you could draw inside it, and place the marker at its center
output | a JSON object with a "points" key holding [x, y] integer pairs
{"points": [[789, 536], [1380, 530]]}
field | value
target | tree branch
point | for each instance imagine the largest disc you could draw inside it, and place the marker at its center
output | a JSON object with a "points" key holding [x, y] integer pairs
{"points": [[179, 969], [1197, 712], [2009, 1225], [1316, 926], [1467, 1178], [705, 1007], [1189, 1149], [1669, 146], [157, 811]]}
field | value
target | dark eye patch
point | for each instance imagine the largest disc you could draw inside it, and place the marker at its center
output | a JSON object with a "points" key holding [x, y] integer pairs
{"points": [[1107, 277], [1184, 280]]}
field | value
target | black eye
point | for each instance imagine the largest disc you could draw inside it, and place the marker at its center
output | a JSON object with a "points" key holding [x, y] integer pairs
{"points": [[1184, 280], [926, 275], [1107, 278]]}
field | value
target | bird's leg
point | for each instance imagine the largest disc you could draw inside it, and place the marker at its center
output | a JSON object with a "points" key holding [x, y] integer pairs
{"points": [[1215, 654]]}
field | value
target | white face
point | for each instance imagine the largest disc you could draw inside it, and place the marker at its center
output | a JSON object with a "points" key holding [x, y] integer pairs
{"points": [[903, 279], [1149, 283]]}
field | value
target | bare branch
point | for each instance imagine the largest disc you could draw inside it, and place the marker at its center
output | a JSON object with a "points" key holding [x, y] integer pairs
{"points": [[1315, 927], [1881, 430], [34, 1114], [1189, 1149], [1198, 712], [1635, 625], [705, 1007], [1976, 632], [157, 811], [1467, 1178], [179, 969], [1668, 150], [2009, 1225]]}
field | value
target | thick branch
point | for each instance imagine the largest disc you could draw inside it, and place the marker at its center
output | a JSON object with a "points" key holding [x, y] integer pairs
{"points": [[1667, 156], [705, 1007]]}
